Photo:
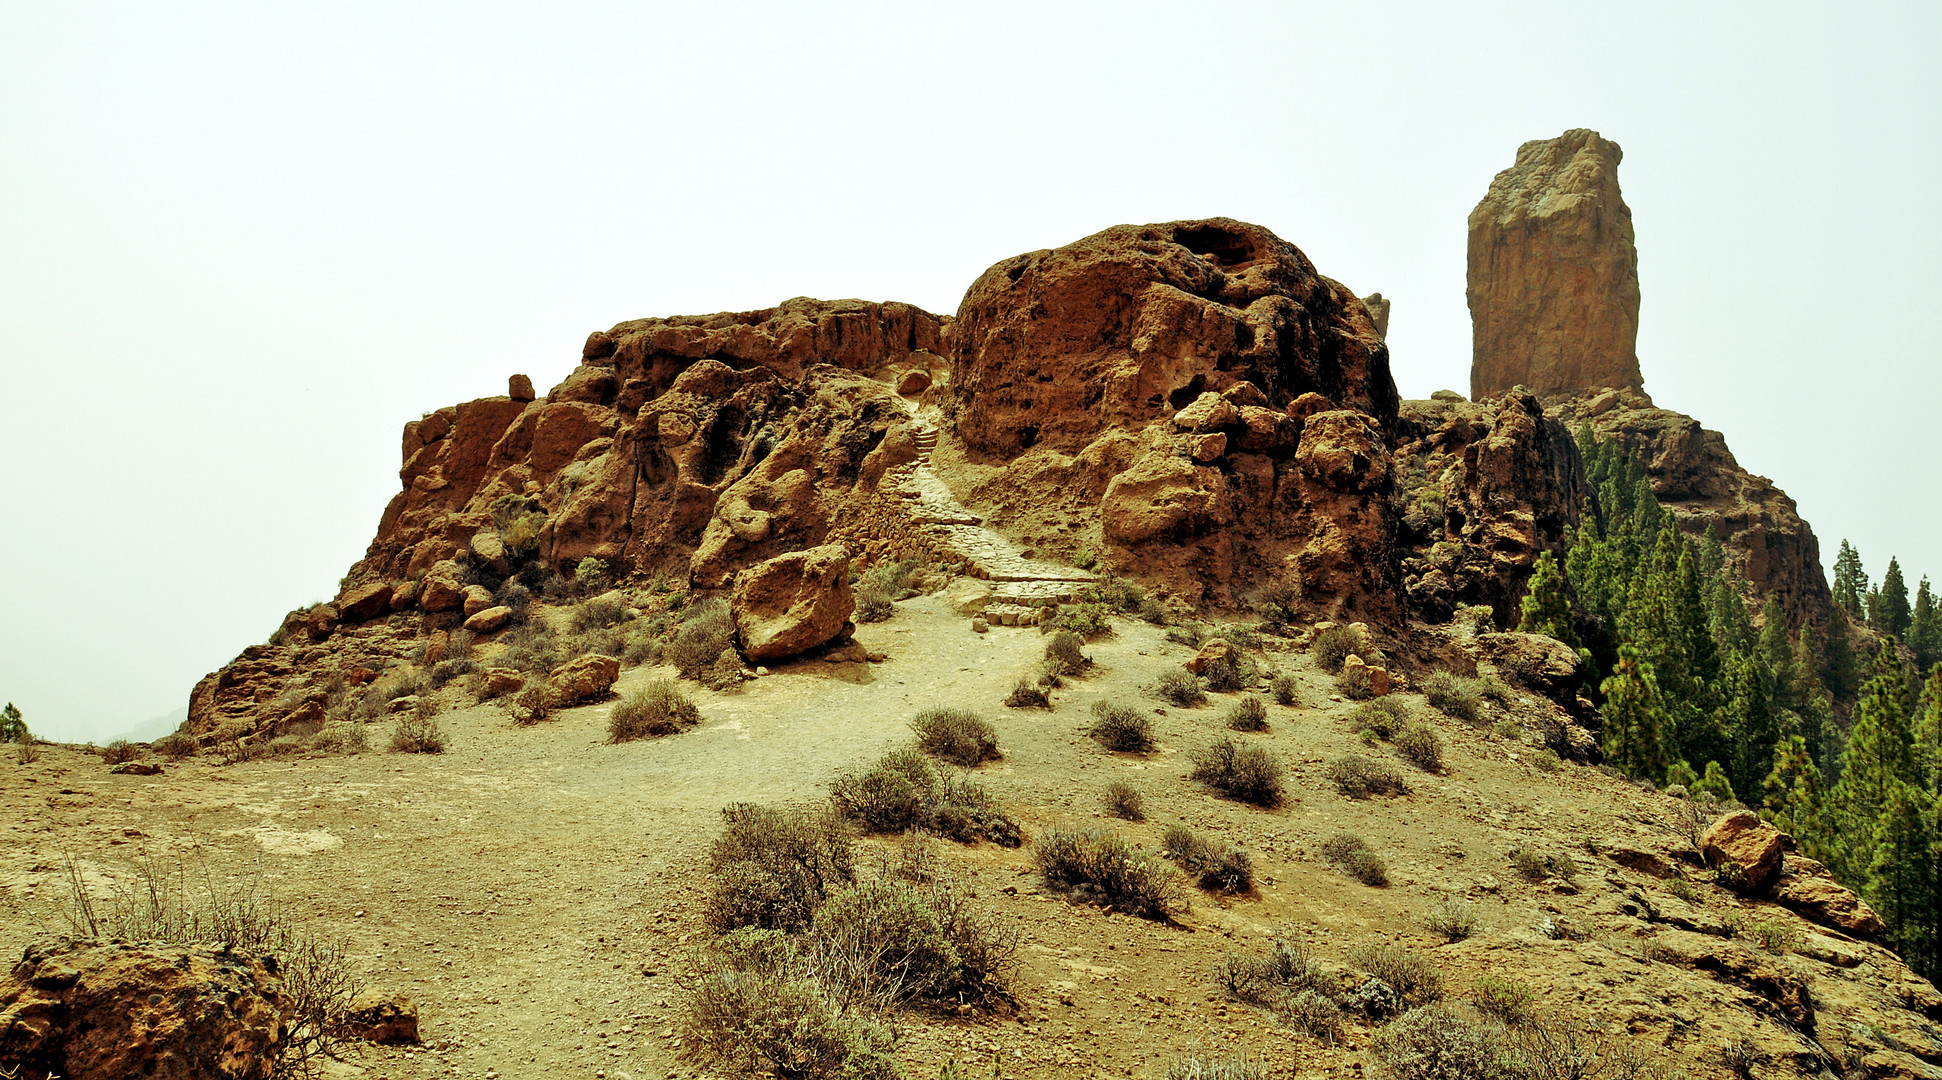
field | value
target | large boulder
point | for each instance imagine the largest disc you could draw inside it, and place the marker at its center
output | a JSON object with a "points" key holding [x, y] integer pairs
{"points": [[1554, 277], [477, 599], [107, 1011], [487, 620], [1742, 838], [1127, 325], [440, 590], [584, 679], [792, 603], [365, 601], [1809, 890]]}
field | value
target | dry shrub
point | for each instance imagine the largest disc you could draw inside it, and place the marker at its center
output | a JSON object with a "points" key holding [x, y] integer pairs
{"points": [[121, 750], [1410, 975], [534, 703], [1355, 684], [1121, 728], [417, 732], [1502, 999], [1282, 978], [1248, 714], [756, 1022], [175, 747], [1200, 1068], [446, 670], [903, 791], [1063, 655], [884, 943], [705, 631], [1436, 1042], [1334, 645], [1354, 856], [1420, 746], [1454, 695], [1454, 919], [1228, 672], [1123, 800], [1216, 868], [1247, 773], [1182, 688], [1359, 777], [1098, 864], [1381, 718], [597, 614], [958, 736], [344, 738], [1286, 689], [659, 708], [873, 605], [1533, 865], [1025, 694], [773, 867]]}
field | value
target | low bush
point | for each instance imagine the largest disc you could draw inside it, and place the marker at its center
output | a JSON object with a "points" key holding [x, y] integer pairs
{"points": [[903, 791], [1090, 620], [1247, 773], [1282, 978], [883, 943], [1409, 974], [1355, 858], [1773, 937], [1121, 728], [1026, 694], [1420, 745], [343, 738], [1334, 645], [705, 631], [534, 703], [1356, 684], [1359, 777], [774, 867], [1152, 611], [1216, 868], [1496, 689], [754, 1022], [1475, 619], [726, 673], [1381, 718], [1436, 1042], [1315, 1013], [1248, 714], [1125, 801], [1287, 690], [1454, 919], [1200, 1068], [873, 605], [1182, 688], [446, 670], [122, 750], [897, 581], [1063, 655], [1188, 634], [659, 708], [597, 614], [1454, 695], [1098, 864], [1533, 865], [417, 732], [1228, 672], [1502, 999], [175, 747], [958, 736]]}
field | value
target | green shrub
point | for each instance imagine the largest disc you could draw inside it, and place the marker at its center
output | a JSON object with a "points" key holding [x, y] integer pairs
{"points": [[1475, 619], [1247, 773], [705, 631], [1773, 936], [1334, 645], [1454, 919], [1026, 694], [1085, 558], [1228, 672], [590, 577], [1189, 634], [1495, 689], [1356, 684], [1502, 999], [1355, 858], [1099, 864], [1152, 611], [1287, 690], [1435, 1042], [1216, 868], [1409, 974], [1121, 728], [659, 708], [1454, 695], [774, 868], [1116, 594], [1248, 714], [745, 1022], [1182, 688], [534, 703], [958, 736], [597, 614], [1063, 655], [1359, 777], [1420, 746], [1279, 607], [1383, 717], [1089, 620], [894, 581], [1125, 801], [417, 732], [902, 791]]}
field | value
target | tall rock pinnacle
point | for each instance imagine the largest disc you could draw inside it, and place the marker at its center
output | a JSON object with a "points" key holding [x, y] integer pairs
{"points": [[1553, 275]]}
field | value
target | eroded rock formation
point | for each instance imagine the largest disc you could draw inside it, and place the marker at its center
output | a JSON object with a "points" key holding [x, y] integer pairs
{"points": [[1553, 273]]}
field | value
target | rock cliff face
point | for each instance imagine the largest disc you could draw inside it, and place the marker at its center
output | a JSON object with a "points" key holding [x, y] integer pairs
{"points": [[1553, 274]]}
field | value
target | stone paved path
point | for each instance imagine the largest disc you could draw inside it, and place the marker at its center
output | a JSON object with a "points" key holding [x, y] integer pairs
{"points": [[1018, 580]]}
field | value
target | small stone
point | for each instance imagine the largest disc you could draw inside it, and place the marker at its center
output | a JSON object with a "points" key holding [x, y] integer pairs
{"points": [[978, 625]]}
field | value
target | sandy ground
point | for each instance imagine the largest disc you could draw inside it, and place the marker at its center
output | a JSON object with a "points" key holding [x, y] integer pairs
{"points": [[537, 892]]}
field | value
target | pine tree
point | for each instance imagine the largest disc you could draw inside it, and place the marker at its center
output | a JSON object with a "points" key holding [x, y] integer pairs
{"points": [[1546, 609], [1850, 581], [1715, 783], [12, 727], [1633, 718], [1928, 732], [1840, 668], [1894, 613], [1795, 798], [1777, 653], [1900, 885], [1925, 628], [1880, 755], [1749, 723]]}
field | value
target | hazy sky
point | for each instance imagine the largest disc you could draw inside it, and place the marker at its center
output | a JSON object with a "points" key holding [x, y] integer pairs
{"points": [[242, 244]]}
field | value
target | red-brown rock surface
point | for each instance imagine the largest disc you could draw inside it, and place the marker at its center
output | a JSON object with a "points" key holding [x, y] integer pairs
{"points": [[1744, 839], [792, 603], [109, 1011], [1553, 275]]}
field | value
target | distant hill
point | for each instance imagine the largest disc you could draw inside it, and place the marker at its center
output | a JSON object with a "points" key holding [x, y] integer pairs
{"points": [[155, 727]]}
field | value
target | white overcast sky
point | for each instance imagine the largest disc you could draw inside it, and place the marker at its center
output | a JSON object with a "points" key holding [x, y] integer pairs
{"points": [[242, 244]]}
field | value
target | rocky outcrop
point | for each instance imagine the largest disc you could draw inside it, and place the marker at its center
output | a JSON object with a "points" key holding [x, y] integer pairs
{"points": [[1809, 890], [585, 679], [1741, 838], [792, 603], [107, 1011], [1553, 275]]}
